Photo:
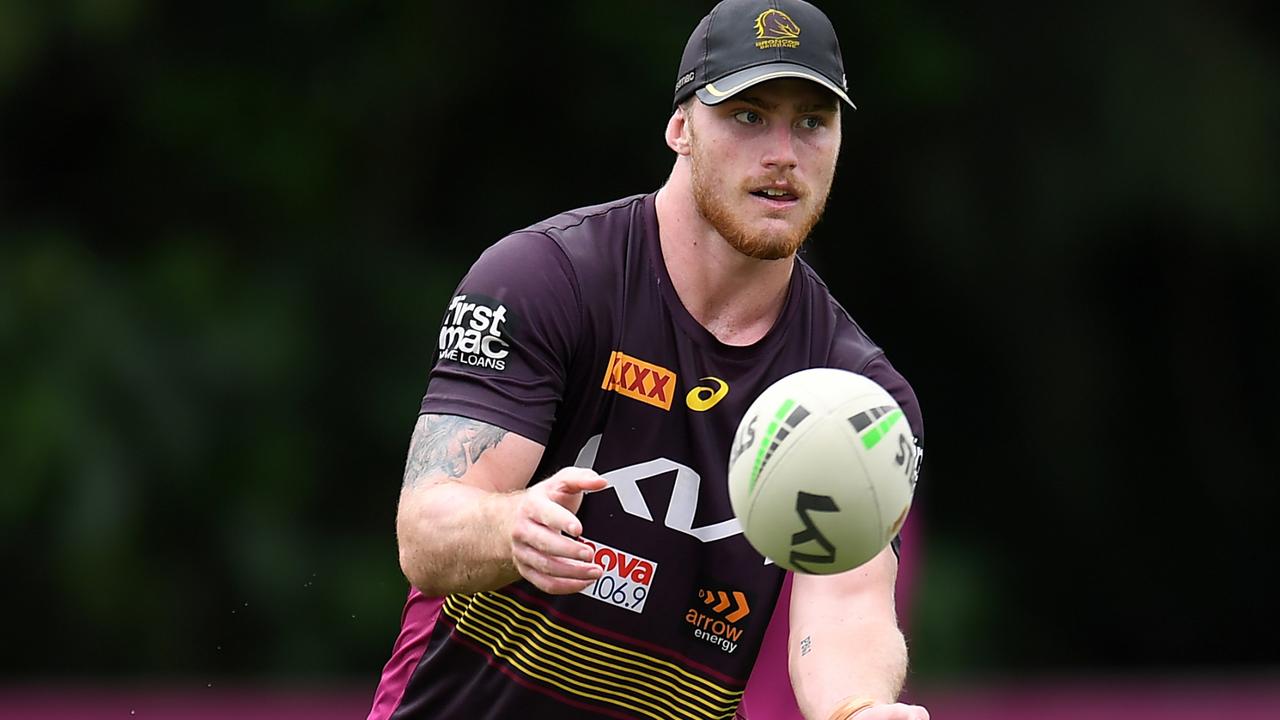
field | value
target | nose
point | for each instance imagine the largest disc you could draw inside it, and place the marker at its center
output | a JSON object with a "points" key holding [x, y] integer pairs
{"points": [[780, 153]]}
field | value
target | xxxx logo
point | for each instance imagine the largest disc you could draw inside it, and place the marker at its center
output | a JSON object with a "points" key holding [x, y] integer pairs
{"points": [[705, 397], [639, 380]]}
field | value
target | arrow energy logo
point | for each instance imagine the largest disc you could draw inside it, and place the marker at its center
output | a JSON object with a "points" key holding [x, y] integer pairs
{"points": [[715, 615]]}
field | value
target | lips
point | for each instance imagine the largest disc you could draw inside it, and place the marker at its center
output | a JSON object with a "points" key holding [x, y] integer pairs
{"points": [[775, 195], [777, 192]]}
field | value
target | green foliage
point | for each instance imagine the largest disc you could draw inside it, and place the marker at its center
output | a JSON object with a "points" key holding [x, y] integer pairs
{"points": [[227, 232]]}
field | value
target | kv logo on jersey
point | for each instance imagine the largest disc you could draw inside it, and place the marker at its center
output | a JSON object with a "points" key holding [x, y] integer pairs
{"points": [[473, 332]]}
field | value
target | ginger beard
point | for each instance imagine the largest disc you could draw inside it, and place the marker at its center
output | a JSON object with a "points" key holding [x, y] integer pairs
{"points": [[715, 204]]}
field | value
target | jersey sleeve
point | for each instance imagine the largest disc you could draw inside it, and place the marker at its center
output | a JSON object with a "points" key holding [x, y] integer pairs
{"points": [[887, 377], [507, 337], [879, 369]]}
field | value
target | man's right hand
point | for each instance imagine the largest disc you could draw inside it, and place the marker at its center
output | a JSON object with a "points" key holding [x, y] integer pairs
{"points": [[554, 563]]}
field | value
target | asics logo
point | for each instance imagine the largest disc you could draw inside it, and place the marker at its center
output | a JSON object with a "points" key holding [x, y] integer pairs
{"points": [[704, 397]]}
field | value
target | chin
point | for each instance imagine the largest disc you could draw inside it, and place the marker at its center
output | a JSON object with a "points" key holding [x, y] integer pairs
{"points": [[767, 245]]}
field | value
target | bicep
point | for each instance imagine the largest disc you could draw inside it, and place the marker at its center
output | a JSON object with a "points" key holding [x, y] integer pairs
{"points": [[450, 448], [453, 518]]}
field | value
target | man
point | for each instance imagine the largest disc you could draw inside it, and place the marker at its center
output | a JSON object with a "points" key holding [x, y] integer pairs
{"points": [[564, 520]]}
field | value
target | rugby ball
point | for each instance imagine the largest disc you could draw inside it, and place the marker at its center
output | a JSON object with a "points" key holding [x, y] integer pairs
{"points": [[822, 471]]}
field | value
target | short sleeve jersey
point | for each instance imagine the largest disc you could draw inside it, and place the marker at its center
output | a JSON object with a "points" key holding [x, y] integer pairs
{"points": [[570, 333]]}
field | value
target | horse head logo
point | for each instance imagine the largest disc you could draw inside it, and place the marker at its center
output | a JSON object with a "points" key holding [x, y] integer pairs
{"points": [[772, 24]]}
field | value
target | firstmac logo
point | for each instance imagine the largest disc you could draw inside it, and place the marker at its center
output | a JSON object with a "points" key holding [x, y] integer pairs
{"points": [[639, 380], [474, 332]]}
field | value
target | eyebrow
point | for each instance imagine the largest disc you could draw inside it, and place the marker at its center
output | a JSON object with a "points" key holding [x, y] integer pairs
{"points": [[820, 106], [753, 100]]}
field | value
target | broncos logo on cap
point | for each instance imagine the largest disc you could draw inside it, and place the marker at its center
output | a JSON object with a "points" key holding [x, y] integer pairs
{"points": [[776, 24]]}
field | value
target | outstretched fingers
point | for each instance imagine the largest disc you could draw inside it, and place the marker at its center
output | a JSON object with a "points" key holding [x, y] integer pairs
{"points": [[567, 488], [544, 547], [551, 514], [552, 562]]}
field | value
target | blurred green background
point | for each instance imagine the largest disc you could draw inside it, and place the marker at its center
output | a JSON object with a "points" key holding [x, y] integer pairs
{"points": [[228, 230]]}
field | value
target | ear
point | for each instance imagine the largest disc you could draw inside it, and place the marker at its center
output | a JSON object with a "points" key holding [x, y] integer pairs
{"points": [[677, 135]]}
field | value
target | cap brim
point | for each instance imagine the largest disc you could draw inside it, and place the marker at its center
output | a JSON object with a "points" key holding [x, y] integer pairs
{"points": [[726, 87]]}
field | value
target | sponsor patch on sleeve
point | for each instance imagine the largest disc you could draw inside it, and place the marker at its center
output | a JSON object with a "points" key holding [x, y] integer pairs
{"points": [[475, 332]]}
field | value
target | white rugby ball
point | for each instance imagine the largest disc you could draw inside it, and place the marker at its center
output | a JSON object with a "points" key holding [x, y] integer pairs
{"points": [[822, 471]]}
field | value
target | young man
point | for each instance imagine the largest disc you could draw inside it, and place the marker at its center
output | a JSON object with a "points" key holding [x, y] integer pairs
{"points": [[565, 516]]}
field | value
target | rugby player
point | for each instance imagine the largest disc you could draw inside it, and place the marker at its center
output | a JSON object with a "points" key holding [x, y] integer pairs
{"points": [[564, 520]]}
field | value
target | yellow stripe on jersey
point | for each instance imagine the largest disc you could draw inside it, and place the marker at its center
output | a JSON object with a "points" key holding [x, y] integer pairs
{"points": [[673, 696], [647, 664], [547, 650], [524, 642], [539, 670]]}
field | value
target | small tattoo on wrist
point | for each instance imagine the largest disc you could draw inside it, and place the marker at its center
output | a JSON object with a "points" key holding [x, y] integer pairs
{"points": [[806, 645]]}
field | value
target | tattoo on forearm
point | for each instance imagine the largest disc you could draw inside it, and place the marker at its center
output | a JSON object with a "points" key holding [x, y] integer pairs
{"points": [[447, 444], [806, 645]]}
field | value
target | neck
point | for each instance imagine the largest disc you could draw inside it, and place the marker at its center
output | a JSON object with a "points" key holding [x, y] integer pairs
{"points": [[735, 297]]}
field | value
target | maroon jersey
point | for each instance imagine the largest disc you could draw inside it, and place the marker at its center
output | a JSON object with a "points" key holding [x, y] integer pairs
{"points": [[570, 333]]}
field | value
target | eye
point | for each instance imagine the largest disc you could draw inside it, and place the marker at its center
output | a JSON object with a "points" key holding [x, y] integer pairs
{"points": [[748, 117], [811, 123]]}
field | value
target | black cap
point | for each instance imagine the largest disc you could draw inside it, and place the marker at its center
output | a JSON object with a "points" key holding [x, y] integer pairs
{"points": [[744, 42]]}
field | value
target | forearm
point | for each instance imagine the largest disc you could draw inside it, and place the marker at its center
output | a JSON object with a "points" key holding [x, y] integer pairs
{"points": [[462, 482], [845, 641], [468, 523], [854, 657], [456, 538]]}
